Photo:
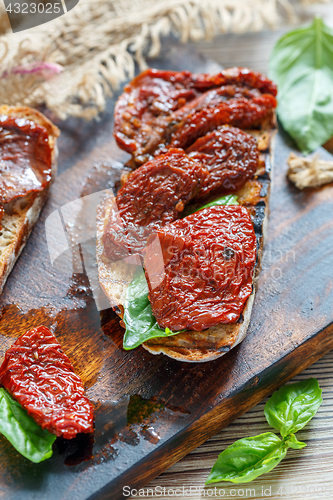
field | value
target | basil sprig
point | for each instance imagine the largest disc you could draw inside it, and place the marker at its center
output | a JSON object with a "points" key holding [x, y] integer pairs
{"points": [[27, 437], [138, 316], [288, 410], [301, 66], [140, 323]]}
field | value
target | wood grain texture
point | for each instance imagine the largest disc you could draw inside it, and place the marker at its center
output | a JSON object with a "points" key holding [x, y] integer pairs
{"points": [[151, 411], [303, 474]]}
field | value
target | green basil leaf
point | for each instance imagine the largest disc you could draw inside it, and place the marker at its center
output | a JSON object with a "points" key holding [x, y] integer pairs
{"points": [[27, 437], [138, 316], [301, 66], [248, 458], [292, 406], [229, 199], [293, 442]]}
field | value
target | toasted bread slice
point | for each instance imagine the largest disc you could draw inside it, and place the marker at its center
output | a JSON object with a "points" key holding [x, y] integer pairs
{"points": [[21, 214], [207, 345]]}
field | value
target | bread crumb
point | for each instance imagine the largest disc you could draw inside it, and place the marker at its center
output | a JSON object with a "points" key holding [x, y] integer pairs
{"points": [[309, 171]]}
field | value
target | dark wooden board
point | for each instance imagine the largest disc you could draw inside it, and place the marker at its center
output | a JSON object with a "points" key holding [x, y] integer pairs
{"points": [[152, 410]]}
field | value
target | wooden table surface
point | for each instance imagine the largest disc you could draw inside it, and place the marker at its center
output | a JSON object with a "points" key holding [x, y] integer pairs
{"points": [[305, 474]]}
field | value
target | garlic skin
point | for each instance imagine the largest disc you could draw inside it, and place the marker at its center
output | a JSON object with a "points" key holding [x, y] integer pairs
{"points": [[308, 171]]}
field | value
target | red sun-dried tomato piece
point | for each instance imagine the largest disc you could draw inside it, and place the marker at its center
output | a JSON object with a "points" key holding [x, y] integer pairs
{"points": [[150, 95], [229, 105], [235, 76], [41, 378], [231, 157], [209, 259], [142, 113], [25, 158], [154, 195]]}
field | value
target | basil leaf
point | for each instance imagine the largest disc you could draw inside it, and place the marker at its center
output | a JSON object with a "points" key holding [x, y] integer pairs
{"points": [[27, 437], [138, 316], [292, 406], [301, 66], [229, 199], [293, 442], [248, 458]]}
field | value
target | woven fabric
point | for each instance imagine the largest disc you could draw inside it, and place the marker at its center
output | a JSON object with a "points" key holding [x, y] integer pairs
{"points": [[74, 62]]}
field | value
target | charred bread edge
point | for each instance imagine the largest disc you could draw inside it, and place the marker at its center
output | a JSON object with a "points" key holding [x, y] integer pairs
{"points": [[17, 226], [193, 355], [115, 278]]}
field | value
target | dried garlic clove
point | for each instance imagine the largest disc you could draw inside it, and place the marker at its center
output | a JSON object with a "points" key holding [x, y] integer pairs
{"points": [[309, 171]]}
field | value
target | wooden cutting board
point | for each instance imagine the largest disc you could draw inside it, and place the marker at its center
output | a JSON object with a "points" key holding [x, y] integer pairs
{"points": [[151, 410]]}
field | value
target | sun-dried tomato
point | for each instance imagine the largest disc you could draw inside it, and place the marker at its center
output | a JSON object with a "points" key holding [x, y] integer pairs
{"points": [[25, 158], [229, 105], [151, 95], [154, 195], [209, 259], [143, 112], [234, 76], [231, 157], [41, 378]]}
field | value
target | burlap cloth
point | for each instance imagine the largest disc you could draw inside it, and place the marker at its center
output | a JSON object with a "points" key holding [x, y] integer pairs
{"points": [[73, 63]]}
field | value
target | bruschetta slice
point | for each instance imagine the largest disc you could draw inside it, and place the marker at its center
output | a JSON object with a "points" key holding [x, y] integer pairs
{"points": [[28, 154]]}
